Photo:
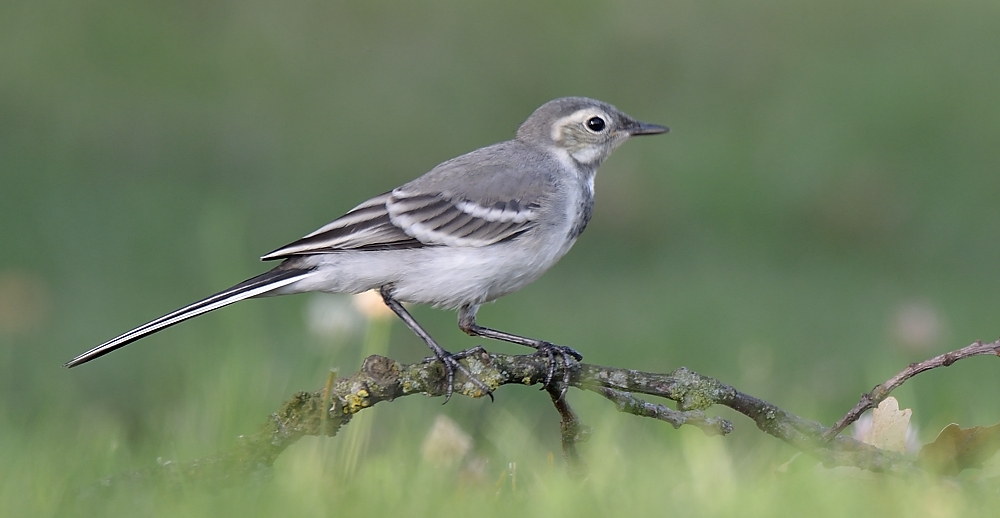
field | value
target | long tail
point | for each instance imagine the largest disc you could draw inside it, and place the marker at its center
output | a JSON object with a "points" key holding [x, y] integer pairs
{"points": [[256, 286]]}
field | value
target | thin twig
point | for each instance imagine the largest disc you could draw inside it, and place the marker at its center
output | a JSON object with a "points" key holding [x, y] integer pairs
{"points": [[630, 404], [880, 392], [571, 429], [693, 391]]}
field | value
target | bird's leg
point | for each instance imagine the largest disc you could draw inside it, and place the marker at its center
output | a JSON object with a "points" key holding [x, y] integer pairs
{"points": [[450, 361], [467, 323]]}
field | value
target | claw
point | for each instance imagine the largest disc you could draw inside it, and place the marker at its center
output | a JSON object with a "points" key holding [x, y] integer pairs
{"points": [[552, 365], [564, 353], [449, 373], [451, 364]]}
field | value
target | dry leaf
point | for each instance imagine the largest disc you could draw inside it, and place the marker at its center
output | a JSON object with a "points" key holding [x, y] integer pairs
{"points": [[956, 449], [889, 425]]}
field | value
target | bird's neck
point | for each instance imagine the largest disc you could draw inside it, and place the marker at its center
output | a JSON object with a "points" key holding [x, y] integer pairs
{"points": [[571, 163]]}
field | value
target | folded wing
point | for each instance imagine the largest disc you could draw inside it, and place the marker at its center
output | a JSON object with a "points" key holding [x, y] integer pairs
{"points": [[402, 219]]}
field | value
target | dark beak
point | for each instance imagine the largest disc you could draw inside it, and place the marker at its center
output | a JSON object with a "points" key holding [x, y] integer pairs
{"points": [[644, 128]]}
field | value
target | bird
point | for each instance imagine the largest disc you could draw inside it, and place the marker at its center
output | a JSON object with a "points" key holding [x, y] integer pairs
{"points": [[469, 231]]}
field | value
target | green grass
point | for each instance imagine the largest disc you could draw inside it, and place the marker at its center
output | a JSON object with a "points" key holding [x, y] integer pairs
{"points": [[629, 471]]}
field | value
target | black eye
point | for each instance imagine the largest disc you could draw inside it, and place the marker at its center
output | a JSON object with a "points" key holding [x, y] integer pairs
{"points": [[595, 124]]}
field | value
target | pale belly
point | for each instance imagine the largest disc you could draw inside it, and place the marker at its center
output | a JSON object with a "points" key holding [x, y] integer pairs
{"points": [[441, 276]]}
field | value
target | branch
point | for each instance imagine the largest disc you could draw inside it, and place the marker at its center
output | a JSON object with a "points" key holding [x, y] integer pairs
{"points": [[325, 411], [571, 429], [880, 392], [694, 392]]}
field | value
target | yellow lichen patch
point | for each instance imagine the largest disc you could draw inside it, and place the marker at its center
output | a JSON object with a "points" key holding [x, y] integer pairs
{"points": [[471, 390], [356, 401], [492, 383]]}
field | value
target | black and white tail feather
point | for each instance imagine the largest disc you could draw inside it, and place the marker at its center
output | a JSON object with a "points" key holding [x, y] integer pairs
{"points": [[254, 287]]}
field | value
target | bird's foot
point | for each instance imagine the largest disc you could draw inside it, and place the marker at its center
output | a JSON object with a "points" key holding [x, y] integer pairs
{"points": [[550, 351], [451, 364]]}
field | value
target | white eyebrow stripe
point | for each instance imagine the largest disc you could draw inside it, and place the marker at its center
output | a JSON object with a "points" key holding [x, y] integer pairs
{"points": [[576, 117], [494, 214]]}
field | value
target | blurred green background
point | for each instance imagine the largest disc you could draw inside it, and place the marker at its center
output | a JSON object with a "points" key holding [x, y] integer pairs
{"points": [[822, 213]]}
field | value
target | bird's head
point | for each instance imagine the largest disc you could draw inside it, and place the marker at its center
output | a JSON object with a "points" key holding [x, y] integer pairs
{"points": [[587, 130]]}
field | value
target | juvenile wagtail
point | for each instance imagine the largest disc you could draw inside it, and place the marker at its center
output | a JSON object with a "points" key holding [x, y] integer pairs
{"points": [[469, 231]]}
